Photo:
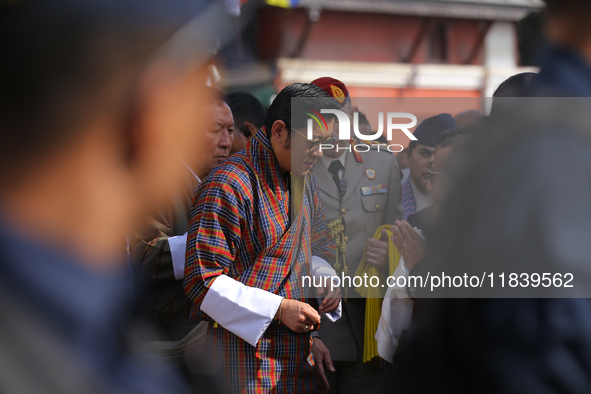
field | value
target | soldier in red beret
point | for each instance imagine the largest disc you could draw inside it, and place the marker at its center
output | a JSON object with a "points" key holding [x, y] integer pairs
{"points": [[360, 191]]}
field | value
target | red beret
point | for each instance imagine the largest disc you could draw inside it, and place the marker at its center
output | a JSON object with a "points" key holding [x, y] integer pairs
{"points": [[334, 88]]}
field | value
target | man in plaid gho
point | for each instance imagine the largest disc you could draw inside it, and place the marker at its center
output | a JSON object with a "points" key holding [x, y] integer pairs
{"points": [[251, 239]]}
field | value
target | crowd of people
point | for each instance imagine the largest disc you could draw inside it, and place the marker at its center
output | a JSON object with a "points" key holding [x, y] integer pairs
{"points": [[227, 207]]}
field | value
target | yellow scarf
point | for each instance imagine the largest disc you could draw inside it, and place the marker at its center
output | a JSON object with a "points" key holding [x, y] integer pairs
{"points": [[375, 295], [297, 193]]}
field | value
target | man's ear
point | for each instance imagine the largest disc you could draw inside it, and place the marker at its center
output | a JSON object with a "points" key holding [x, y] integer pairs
{"points": [[250, 127], [279, 131]]}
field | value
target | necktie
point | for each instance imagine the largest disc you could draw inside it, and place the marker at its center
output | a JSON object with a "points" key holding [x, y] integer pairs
{"points": [[334, 168]]}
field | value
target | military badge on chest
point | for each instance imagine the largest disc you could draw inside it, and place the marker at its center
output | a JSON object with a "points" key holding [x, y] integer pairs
{"points": [[373, 189]]}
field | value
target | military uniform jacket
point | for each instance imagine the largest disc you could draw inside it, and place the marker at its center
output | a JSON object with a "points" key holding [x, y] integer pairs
{"points": [[367, 204]]}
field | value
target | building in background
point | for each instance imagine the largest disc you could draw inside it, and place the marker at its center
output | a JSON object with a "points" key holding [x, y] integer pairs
{"points": [[380, 48]]}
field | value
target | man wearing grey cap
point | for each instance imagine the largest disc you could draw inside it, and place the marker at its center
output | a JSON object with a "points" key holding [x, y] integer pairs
{"points": [[97, 103], [415, 195]]}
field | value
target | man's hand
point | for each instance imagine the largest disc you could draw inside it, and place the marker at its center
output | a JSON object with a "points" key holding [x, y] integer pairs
{"points": [[377, 251], [321, 359], [409, 243], [331, 301], [297, 316]]}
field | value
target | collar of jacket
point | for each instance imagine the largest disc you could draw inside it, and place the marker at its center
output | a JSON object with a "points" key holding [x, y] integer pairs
{"points": [[265, 163], [356, 154]]}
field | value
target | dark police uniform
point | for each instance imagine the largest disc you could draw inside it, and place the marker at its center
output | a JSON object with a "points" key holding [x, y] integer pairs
{"points": [[532, 208]]}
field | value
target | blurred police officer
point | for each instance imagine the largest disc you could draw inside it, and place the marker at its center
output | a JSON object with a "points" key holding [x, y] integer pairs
{"points": [[97, 103], [522, 213], [361, 191]]}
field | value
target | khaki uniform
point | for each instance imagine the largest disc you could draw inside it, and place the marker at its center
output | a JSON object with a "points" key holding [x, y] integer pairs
{"points": [[362, 215]]}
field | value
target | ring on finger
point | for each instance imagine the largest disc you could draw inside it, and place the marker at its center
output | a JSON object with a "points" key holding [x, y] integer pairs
{"points": [[306, 328]]}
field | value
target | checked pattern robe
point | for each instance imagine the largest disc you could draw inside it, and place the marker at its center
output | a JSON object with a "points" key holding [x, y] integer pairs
{"points": [[240, 227]]}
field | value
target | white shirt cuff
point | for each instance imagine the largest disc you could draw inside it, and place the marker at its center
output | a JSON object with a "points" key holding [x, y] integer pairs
{"points": [[334, 315], [243, 310], [321, 267], [178, 246]]}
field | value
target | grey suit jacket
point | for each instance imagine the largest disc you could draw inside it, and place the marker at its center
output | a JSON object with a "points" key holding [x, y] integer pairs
{"points": [[362, 214]]}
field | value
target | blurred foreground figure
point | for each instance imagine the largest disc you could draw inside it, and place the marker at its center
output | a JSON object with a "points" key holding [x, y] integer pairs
{"points": [[409, 238], [159, 255], [518, 85], [249, 116], [521, 213], [97, 102], [251, 239]]}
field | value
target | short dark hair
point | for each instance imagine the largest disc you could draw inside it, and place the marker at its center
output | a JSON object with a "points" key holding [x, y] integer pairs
{"points": [[561, 6], [456, 141], [246, 108], [57, 64], [282, 109], [452, 133], [517, 85]]}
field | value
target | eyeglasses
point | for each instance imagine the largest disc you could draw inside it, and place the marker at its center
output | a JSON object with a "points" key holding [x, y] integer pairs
{"points": [[315, 145], [432, 175]]}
